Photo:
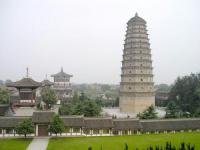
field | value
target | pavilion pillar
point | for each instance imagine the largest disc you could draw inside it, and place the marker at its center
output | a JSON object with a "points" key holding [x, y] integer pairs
{"points": [[71, 130], [14, 132], [2, 131], [110, 131], [130, 132], [81, 131], [101, 132], [36, 130]]}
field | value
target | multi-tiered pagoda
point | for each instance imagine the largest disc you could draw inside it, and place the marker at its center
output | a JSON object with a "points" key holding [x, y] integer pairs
{"points": [[62, 85], [136, 87]]}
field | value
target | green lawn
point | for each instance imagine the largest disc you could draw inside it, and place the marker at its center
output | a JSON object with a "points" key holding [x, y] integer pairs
{"points": [[14, 144], [117, 142]]}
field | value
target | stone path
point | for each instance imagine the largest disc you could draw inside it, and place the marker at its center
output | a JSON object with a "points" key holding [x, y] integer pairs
{"points": [[38, 143]]}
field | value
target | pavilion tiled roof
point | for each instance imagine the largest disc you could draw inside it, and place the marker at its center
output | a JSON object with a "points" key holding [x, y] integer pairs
{"points": [[127, 124], [11, 122], [47, 83], [42, 117], [25, 82], [98, 123], [73, 121], [61, 74], [170, 124]]}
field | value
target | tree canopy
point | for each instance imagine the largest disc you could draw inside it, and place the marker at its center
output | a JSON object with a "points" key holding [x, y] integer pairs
{"points": [[81, 105], [25, 127], [4, 95], [185, 92], [149, 113], [49, 97], [56, 125]]}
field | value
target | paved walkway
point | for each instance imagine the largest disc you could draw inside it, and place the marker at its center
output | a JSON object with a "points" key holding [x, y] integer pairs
{"points": [[38, 143]]}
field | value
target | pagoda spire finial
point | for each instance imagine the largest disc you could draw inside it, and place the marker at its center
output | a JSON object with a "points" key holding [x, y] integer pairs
{"points": [[136, 14], [27, 72], [46, 76], [61, 69]]}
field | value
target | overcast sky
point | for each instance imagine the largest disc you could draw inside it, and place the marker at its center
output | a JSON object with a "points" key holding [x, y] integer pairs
{"points": [[86, 38]]}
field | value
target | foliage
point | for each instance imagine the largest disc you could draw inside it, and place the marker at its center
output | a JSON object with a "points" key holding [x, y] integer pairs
{"points": [[56, 125], [172, 110], [149, 113], [197, 112], [185, 92], [4, 95], [65, 109], [25, 127], [89, 148], [49, 97], [81, 105], [125, 146]]}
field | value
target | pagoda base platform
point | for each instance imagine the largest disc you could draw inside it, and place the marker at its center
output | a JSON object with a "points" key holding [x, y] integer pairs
{"points": [[135, 104]]}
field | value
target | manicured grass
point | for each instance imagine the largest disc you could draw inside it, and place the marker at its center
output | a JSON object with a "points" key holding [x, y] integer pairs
{"points": [[117, 142], [14, 144]]}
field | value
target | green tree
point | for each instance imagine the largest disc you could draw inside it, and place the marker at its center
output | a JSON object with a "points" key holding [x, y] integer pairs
{"points": [[149, 113], [81, 105], [49, 97], [25, 127], [186, 94], [65, 109], [172, 110], [197, 112], [56, 125], [75, 98], [125, 147], [4, 96], [78, 108], [91, 108]]}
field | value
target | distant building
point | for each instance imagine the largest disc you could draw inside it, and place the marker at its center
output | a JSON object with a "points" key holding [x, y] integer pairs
{"points": [[47, 83], [62, 85], [137, 86], [27, 91], [161, 94], [161, 98]]}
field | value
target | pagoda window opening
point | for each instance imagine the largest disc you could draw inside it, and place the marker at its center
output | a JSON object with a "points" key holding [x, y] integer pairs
{"points": [[129, 88], [141, 79]]}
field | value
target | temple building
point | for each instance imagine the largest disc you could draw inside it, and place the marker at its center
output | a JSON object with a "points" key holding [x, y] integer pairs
{"points": [[137, 86], [27, 91], [62, 85]]}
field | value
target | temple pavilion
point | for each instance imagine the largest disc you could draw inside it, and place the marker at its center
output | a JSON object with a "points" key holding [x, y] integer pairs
{"points": [[27, 91], [62, 85]]}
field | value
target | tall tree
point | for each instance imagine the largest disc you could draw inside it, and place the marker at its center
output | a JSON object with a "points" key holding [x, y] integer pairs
{"points": [[25, 127], [56, 125], [91, 108], [49, 97], [4, 96], [185, 93], [172, 110]]}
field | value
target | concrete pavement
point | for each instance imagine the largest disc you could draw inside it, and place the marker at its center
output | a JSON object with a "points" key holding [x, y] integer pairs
{"points": [[39, 143]]}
